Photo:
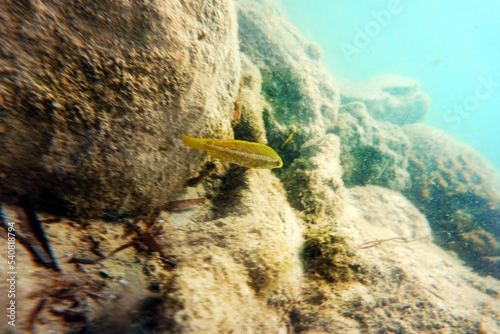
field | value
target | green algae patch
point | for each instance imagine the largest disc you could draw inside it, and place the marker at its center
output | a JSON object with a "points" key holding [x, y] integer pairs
{"points": [[329, 257]]}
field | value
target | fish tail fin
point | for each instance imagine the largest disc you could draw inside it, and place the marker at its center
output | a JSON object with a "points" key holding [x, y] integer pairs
{"points": [[191, 142]]}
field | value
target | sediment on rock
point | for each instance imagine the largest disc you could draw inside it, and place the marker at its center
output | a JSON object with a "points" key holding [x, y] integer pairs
{"points": [[95, 98]]}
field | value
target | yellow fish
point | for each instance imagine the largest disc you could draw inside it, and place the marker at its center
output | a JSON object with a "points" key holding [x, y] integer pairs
{"points": [[243, 153]]}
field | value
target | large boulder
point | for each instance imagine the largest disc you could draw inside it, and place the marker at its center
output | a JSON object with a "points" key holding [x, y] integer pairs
{"points": [[449, 182], [459, 191], [374, 269], [238, 261], [314, 180], [94, 98], [372, 152]]}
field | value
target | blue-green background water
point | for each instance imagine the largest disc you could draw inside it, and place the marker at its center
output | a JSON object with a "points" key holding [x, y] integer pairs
{"points": [[451, 47]]}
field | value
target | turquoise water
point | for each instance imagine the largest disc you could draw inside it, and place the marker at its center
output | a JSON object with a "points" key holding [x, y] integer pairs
{"points": [[452, 48]]}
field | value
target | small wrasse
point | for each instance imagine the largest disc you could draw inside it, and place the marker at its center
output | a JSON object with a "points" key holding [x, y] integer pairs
{"points": [[242, 153]]}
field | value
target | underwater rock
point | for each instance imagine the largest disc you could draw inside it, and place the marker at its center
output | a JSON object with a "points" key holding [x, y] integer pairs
{"points": [[314, 180], [374, 269], [459, 192], [95, 97], [237, 253], [251, 124], [389, 98], [236, 268], [116, 294], [236, 259], [372, 152], [389, 213], [303, 97], [450, 183]]}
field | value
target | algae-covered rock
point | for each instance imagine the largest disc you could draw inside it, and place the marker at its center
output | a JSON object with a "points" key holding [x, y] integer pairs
{"points": [[251, 124], [389, 98], [314, 180], [313, 247], [303, 97], [223, 266], [236, 259], [459, 193], [375, 269], [450, 183], [94, 98], [372, 152]]}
